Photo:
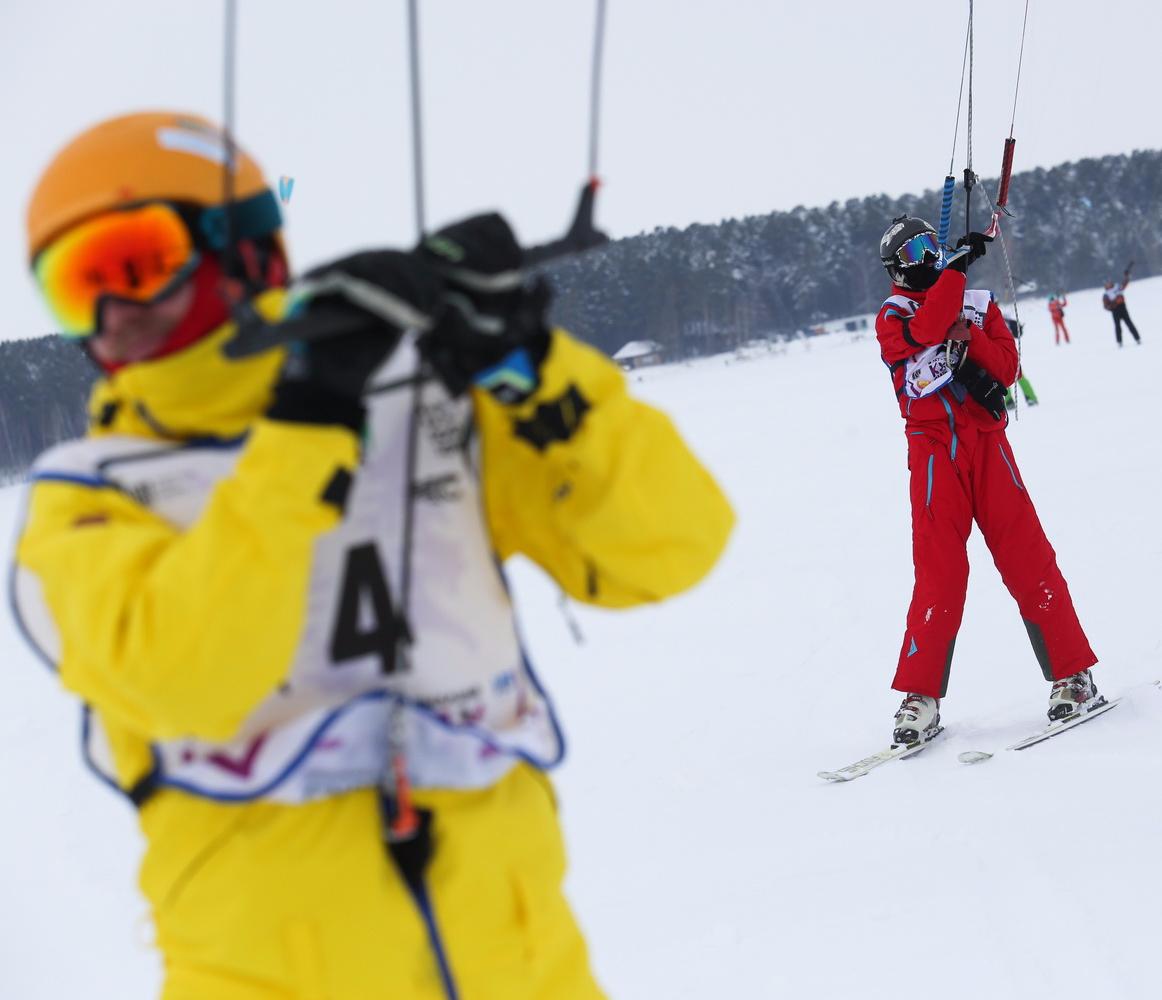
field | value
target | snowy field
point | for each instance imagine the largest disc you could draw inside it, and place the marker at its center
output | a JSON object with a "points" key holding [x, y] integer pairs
{"points": [[709, 861]]}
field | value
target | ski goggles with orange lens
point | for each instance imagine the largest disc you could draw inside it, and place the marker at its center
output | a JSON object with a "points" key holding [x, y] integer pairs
{"points": [[921, 247], [136, 255]]}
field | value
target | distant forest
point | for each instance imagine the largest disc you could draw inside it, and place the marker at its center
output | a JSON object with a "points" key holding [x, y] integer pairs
{"points": [[44, 384], [709, 288]]}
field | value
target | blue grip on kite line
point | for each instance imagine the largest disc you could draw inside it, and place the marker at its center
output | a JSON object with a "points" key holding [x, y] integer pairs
{"points": [[946, 209]]}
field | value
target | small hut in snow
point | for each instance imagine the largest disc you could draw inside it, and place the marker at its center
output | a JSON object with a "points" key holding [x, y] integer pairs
{"points": [[639, 354]]}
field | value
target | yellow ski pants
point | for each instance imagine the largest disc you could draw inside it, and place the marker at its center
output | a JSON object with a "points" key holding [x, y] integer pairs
{"points": [[275, 902]]}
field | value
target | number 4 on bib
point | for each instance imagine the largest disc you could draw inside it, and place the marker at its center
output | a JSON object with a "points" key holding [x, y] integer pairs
{"points": [[366, 623]]}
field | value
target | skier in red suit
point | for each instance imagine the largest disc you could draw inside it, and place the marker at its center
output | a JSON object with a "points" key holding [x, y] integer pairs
{"points": [[1057, 304], [962, 469]]}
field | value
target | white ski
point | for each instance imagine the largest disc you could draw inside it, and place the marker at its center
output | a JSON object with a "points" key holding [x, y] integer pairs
{"points": [[897, 751], [1051, 730]]}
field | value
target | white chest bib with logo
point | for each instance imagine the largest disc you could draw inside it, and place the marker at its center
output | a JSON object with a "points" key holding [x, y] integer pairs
{"points": [[932, 368], [464, 704]]}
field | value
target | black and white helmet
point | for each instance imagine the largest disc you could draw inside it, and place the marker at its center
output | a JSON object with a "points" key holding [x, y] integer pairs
{"points": [[911, 262]]}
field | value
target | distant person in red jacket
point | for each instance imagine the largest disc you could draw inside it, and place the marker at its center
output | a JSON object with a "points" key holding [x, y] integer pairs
{"points": [[951, 354], [1114, 299], [1057, 304]]}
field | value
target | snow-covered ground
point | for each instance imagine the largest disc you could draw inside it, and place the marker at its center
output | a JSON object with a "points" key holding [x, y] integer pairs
{"points": [[708, 859]]}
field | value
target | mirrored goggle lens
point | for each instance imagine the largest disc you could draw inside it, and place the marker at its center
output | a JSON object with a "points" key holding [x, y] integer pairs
{"points": [[918, 248], [138, 254]]}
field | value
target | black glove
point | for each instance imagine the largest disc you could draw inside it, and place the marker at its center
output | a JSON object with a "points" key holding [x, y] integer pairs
{"points": [[982, 387], [491, 328], [977, 244], [372, 297]]}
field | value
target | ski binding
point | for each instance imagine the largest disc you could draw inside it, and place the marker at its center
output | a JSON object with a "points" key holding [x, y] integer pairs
{"points": [[1051, 730]]}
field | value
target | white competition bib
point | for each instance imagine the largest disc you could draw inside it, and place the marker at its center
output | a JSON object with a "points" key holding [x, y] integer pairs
{"points": [[930, 369], [471, 705]]}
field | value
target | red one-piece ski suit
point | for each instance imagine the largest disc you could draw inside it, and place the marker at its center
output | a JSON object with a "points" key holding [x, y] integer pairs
{"points": [[962, 469], [1057, 311]]}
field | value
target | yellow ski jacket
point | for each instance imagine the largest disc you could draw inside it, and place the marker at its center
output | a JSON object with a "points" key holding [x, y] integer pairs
{"points": [[594, 486], [148, 622]]}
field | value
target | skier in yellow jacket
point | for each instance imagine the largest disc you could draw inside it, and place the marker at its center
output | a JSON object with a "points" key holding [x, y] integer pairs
{"points": [[273, 579]]}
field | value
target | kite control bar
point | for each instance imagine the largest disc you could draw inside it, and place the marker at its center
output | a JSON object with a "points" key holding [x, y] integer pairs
{"points": [[326, 319]]}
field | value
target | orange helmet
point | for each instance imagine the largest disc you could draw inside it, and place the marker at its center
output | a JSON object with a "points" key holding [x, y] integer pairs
{"points": [[147, 156]]}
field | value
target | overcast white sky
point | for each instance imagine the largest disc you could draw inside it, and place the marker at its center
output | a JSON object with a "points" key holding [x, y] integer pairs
{"points": [[712, 108]]}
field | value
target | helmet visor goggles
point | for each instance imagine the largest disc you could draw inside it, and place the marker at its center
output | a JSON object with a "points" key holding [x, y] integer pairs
{"points": [[920, 249], [136, 255]]}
